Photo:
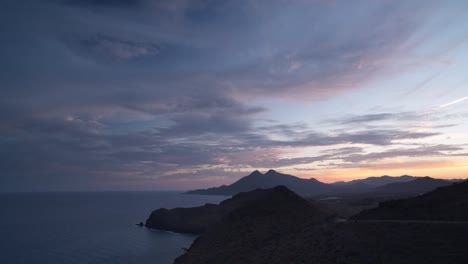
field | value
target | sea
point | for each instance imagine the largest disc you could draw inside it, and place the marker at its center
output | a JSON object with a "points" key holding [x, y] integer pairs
{"points": [[90, 227]]}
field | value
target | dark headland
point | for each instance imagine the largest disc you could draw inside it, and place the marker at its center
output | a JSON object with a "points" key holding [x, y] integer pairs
{"points": [[197, 220]]}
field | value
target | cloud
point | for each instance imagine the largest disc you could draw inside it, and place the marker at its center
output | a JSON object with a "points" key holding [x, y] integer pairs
{"points": [[104, 3], [403, 165], [378, 117], [425, 120], [248, 50], [423, 151], [39, 147], [372, 137], [137, 91], [112, 47]]}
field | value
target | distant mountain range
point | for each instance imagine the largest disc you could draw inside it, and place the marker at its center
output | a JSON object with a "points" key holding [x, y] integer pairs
{"points": [[377, 181], [312, 187], [419, 185]]}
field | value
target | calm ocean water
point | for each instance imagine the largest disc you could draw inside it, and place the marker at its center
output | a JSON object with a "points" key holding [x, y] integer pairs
{"points": [[95, 227]]}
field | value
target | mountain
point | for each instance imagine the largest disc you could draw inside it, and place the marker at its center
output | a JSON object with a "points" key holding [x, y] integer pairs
{"points": [[270, 179], [197, 220], [255, 227], [449, 203], [384, 185], [417, 186], [377, 181]]}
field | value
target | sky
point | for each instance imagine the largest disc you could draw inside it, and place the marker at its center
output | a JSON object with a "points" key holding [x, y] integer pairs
{"points": [[183, 94]]}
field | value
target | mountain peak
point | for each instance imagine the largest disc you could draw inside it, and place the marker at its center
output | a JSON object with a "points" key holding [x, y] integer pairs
{"points": [[270, 179], [256, 173], [271, 172], [425, 178]]}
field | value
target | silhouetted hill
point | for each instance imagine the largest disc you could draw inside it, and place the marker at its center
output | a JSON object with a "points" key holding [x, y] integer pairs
{"points": [[449, 203], [281, 227], [255, 226], [377, 181], [270, 179], [417, 186], [198, 219]]}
